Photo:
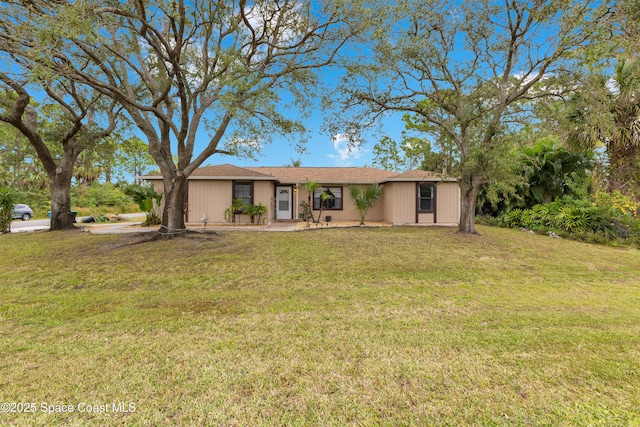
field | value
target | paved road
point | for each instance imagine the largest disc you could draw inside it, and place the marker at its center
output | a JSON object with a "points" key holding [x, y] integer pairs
{"points": [[116, 228], [44, 224]]}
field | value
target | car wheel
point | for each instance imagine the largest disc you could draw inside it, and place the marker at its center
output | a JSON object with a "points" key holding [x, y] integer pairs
{"points": [[26, 217]]}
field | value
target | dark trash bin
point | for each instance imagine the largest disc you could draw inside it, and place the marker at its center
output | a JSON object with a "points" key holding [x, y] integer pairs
{"points": [[73, 215]]}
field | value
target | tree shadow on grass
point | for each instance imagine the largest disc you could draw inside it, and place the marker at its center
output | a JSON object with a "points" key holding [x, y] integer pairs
{"points": [[133, 239]]}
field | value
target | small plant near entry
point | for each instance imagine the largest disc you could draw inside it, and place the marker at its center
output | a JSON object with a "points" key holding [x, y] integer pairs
{"points": [[145, 196], [365, 198], [255, 211], [7, 200], [238, 206], [306, 213]]}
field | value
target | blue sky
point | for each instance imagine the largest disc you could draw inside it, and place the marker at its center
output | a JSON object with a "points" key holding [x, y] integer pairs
{"points": [[321, 148]]}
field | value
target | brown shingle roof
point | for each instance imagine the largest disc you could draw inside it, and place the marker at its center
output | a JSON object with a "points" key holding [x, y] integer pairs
{"points": [[328, 175], [419, 175], [229, 171], [322, 175]]}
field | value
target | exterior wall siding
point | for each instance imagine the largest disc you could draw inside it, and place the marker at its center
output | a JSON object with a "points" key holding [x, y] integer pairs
{"points": [[404, 202], [448, 203], [426, 218], [264, 192], [210, 198], [387, 202]]}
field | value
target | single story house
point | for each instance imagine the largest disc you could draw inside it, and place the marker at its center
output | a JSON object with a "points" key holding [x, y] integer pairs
{"points": [[413, 197]]}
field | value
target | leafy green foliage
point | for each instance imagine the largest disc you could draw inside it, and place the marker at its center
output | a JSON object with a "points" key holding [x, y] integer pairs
{"points": [[19, 165], [97, 194], [148, 200], [234, 71], [39, 199], [386, 155], [605, 112], [542, 173], [416, 152], [7, 200], [444, 157], [306, 213], [324, 197], [608, 218], [255, 212], [365, 198], [307, 210], [550, 171], [238, 206], [412, 63]]}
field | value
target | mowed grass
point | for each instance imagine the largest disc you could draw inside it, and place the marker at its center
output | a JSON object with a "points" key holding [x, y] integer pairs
{"points": [[340, 327]]}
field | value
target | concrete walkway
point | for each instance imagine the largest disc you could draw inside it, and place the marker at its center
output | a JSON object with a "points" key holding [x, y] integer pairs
{"points": [[282, 226]]}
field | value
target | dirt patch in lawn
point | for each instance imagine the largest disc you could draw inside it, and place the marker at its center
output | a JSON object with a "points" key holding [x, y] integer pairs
{"points": [[131, 239]]}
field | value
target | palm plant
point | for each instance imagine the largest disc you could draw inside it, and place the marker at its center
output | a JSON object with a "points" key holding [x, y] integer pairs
{"points": [[324, 197], [311, 187], [365, 198], [607, 113], [547, 170]]}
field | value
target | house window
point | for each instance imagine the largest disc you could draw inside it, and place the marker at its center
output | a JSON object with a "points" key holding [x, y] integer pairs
{"points": [[244, 191], [426, 197], [332, 203]]}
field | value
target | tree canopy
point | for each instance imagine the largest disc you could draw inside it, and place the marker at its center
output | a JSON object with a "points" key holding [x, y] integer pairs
{"points": [[466, 68], [72, 124], [229, 72]]}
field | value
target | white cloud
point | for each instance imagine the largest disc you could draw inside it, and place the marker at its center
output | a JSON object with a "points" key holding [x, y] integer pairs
{"points": [[288, 31], [346, 153]]}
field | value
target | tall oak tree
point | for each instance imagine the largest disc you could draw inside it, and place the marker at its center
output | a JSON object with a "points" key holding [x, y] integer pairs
{"points": [[466, 68], [197, 77]]}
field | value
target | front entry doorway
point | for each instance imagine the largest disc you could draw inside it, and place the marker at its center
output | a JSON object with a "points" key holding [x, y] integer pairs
{"points": [[283, 203]]}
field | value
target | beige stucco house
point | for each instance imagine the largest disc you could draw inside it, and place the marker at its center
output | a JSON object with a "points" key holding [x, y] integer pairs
{"points": [[413, 197]]}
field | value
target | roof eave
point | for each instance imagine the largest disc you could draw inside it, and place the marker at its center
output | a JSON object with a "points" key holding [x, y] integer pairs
{"points": [[428, 179], [234, 178], [216, 178]]}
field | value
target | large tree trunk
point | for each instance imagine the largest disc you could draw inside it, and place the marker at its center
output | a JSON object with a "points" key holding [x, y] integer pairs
{"points": [[623, 167], [61, 217], [173, 212], [470, 185]]}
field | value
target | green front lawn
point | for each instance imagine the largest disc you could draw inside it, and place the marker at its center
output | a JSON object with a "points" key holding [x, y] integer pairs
{"points": [[389, 326]]}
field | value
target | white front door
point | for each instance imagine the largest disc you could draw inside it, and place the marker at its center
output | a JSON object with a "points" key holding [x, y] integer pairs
{"points": [[283, 203]]}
